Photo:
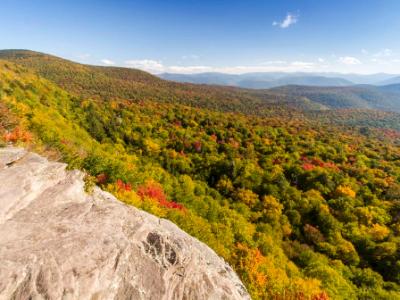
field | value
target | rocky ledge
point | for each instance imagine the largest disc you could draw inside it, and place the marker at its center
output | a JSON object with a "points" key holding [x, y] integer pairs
{"points": [[58, 242]]}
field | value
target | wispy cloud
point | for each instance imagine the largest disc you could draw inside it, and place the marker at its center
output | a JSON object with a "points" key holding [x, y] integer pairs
{"points": [[384, 53], [288, 21], [107, 62], [274, 62], [191, 56], [149, 65], [157, 67], [349, 60], [189, 69], [384, 56], [83, 56], [303, 64], [332, 63]]}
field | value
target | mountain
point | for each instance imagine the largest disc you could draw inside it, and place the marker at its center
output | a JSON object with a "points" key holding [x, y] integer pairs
{"points": [[300, 207], [390, 81], [265, 80], [371, 79], [360, 96], [108, 83], [391, 88], [144, 153], [134, 85], [257, 80], [203, 78], [294, 80], [80, 245]]}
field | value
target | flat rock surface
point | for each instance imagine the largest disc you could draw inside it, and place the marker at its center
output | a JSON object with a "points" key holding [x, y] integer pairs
{"points": [[58, 242]]}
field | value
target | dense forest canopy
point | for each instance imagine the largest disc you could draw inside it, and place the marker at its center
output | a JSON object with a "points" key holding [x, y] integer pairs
{"points": [[111, 83], [302, 206]]}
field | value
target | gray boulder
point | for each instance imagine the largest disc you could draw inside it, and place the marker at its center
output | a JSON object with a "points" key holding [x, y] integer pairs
{"points": [[58, 242]]}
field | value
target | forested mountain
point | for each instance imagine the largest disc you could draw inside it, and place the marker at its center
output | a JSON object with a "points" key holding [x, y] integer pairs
{"points": [[125, 83], [360, 96], [135, 85], [205, 78], [258, 80], [391, 88], [301, 207], [324, 91], [390, 81], [306, 80], [274, 79]]}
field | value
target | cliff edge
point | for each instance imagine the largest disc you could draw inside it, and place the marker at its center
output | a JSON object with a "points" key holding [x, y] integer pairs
{"points": [[58, 242]]}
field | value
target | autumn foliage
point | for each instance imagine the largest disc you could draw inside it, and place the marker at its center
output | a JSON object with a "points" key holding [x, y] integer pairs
{"points": [[18, 134], [124, 186], [311, 163], [154, 191], [299, 209]]}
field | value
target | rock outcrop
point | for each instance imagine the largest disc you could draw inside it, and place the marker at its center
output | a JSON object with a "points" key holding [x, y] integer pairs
{"points": [[58, 242]]}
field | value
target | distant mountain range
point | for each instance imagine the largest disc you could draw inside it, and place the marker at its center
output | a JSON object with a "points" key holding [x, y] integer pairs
{"points": [[393, 80], [275, 79], [264, 92], [312, 91], [357, 96]]}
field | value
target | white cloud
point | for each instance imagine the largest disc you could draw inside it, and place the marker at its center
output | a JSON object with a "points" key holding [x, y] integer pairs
{"points": [[302, 64], [272, 67], [107, 62], [288, 21], [364, 51], [83, 56], [149, 65], [318, 64], [274, 62], [384, 61], [191, 56], [384, 53], [349, 60], [157, 67], [189, 69], [383, 57]]}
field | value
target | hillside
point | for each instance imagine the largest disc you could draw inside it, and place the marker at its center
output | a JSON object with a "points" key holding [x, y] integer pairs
{"points": [[305, 80], [299, 209], [361, 120], [363, 96], [108, 83], [390, 81], [391, 88]]}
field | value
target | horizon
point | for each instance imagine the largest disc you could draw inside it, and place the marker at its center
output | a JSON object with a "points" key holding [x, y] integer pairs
{"points": [[229, 37], [314, 73]]}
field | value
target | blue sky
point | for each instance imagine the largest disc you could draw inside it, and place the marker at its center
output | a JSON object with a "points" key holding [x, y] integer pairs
{"points": [[233, 36]]}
